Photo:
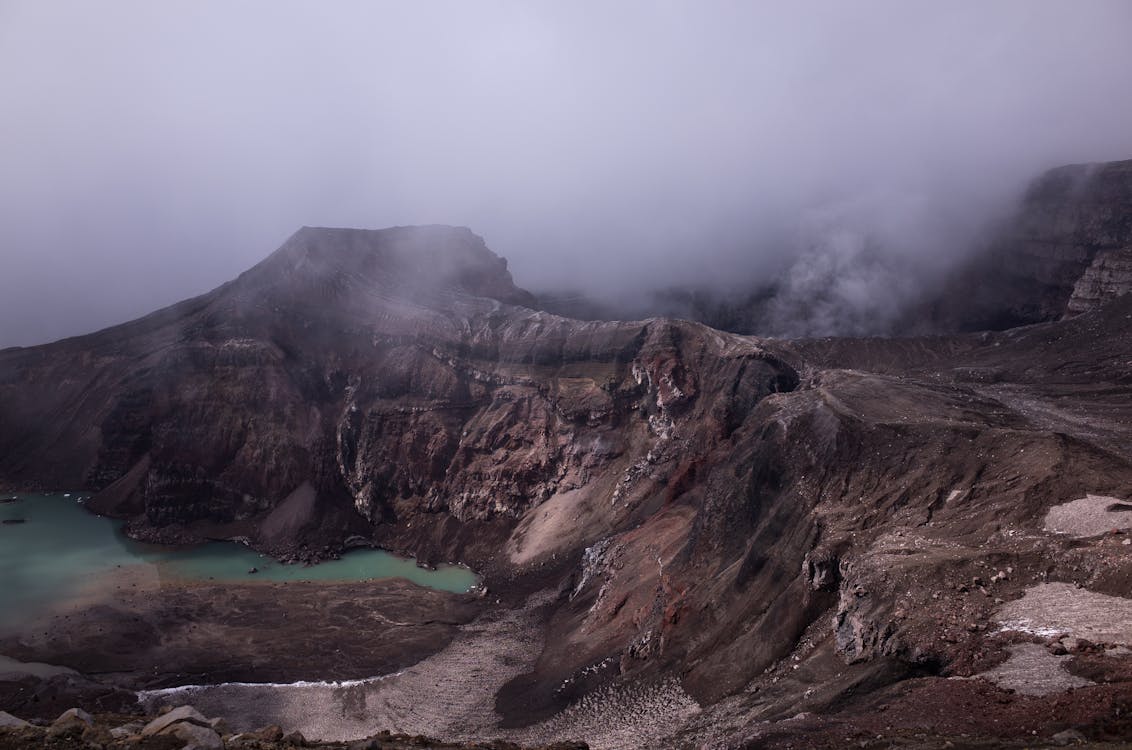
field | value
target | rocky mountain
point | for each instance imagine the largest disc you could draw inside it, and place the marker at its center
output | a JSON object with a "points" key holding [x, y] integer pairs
{"points": [[1064, 249], [1064, 252], [710, 531], [1108, 276]]}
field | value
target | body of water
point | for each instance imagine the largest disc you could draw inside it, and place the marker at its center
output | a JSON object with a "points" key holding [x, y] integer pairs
{"points": [[51, 546]]}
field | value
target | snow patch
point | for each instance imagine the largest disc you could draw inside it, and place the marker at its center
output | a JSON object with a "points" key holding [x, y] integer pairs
{"points": [[1092, 515], [1050, 609]]}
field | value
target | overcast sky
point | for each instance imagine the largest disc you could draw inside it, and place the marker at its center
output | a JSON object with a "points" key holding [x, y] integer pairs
{"points": [[150, 151]]}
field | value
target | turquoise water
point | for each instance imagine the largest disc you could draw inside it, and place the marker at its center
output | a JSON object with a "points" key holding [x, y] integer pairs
{"points": [[62, 547]]}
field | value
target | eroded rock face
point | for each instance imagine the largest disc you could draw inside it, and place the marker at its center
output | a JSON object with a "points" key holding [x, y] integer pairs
{"points": [[1062, 250], [1109, 276], [1063, 253], [357, 381], [705, 504]]}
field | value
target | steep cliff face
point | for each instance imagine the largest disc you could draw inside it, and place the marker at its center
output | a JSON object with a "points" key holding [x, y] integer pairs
{"points": [[220, 416], [1063, 252], [1109, 276], [703, 507], [354, 381], [1063, 249]]}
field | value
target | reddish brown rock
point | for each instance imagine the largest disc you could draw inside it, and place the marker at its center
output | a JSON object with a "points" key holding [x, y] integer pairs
{"points": [[715, 510]]}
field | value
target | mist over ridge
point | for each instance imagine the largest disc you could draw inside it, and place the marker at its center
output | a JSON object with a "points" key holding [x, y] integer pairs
{"points": [[744, 374], [853, 152]]}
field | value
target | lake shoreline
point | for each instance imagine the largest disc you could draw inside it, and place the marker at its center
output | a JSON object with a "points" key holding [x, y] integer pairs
{"points": [[138, 627], [137, 631], [60, 550]]}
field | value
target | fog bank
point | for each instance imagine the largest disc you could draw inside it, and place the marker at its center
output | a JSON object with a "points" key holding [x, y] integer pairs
{"points": [[151, 151]]}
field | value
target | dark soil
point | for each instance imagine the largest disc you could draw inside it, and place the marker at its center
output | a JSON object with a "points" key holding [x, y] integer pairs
{"points": [[258, 632]]}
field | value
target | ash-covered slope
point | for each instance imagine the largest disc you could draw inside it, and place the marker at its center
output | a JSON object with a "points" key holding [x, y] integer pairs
{"points": [[754, 528]]}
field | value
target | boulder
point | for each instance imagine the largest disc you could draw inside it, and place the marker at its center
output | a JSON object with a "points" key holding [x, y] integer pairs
{"points": [[195, 736], [1068, 737], [127, 730], [295, 739], [68, 728], [220, 725], [270, 733], [7, 720], [177, 715], [75, 714], [97, 736]]}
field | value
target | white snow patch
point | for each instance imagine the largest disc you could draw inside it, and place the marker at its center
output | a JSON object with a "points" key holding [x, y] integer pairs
{"points": [[1032, 670], [1050, 609], [1092, 515]]}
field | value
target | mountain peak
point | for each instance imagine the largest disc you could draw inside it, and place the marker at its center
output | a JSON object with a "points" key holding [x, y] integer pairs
{"points": [[400, 260]]}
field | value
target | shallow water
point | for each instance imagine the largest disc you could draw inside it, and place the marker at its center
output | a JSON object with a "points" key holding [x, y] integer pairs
{"points": [[61, 547]]}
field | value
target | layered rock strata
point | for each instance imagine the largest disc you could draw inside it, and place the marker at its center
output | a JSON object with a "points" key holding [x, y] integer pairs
{"points": [[1063, 252], [1109, 276], [759, 526]]}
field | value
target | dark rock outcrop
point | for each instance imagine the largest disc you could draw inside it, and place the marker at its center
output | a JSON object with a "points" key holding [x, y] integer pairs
{"points": [[346, 386], [706, 505], [1064, 252], [1066, 248], [1109, 276]]}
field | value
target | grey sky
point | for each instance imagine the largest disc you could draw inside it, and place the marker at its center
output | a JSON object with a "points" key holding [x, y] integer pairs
{"points": [[152, 150]]}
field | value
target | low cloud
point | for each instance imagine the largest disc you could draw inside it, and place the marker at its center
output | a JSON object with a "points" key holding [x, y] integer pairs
{"points": [[846, 152]]}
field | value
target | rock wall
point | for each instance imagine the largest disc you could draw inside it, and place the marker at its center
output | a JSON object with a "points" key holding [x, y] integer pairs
{"points": [[692, 504], [374, 383], [1061, 254], [1109, 276]]}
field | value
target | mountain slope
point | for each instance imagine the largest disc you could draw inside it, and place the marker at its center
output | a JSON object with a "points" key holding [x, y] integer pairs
{"points": [[701, 510]]}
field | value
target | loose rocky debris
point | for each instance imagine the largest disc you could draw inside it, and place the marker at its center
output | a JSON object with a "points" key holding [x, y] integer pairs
{"points": [[1090, 516], [185, 728], [448, 695], [883, 498], [622, 718]]}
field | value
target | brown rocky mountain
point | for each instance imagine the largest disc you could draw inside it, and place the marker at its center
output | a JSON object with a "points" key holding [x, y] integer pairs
{"points": [[1064, 249], [707, 531], [1064, 252]]}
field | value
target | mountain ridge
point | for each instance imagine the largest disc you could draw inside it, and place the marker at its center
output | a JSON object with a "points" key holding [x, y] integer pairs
{"points": [[686, 508]]}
